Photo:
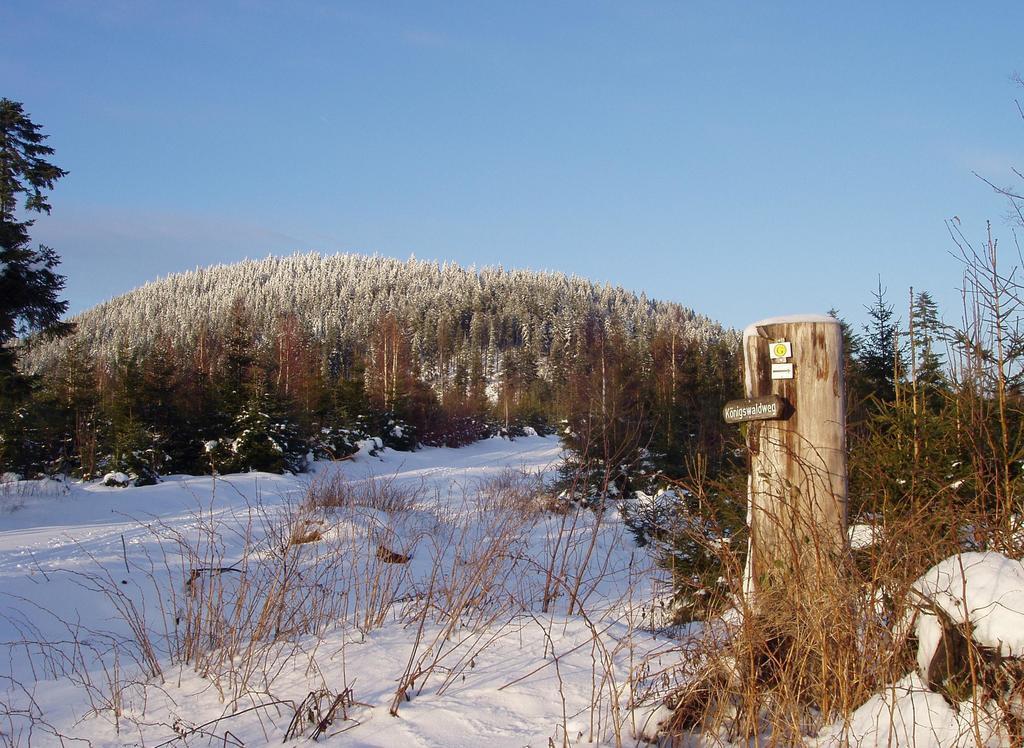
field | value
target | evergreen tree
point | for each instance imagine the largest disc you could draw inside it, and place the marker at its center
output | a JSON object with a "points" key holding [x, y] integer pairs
{"points": [[29, 283], [608, 420], [858, 391], [880, 357], [167, 390], [351, 347], [237, 371], [70, 400], [264, 438], [928, 333]]}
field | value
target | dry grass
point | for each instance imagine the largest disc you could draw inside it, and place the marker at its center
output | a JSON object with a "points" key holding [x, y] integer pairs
{"points": [[806, 650], [15, 493], [306, 531], [254, 593], [382, 494]]}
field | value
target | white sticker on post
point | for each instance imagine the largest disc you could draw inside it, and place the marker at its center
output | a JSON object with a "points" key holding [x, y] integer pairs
{"points": [[782, 371]]}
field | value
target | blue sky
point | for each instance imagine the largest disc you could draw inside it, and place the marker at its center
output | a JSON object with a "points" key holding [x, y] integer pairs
{"points": [[745, 159]]}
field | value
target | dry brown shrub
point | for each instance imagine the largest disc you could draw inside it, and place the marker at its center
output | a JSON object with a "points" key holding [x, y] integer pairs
{"points": [[306, 531], [337, 492], [809, 649]]}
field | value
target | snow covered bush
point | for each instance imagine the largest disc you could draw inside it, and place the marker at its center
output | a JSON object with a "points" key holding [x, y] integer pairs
{"points": [[141, 464], [967, 689], [217, 454], [652, 515], [909, 640], [532, 426], [335, 443], [695, 531], [391, 429], [259, 442], [595, 480]]}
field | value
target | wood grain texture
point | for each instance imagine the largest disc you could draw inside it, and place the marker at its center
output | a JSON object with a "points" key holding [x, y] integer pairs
{"points": [[798, 486]]}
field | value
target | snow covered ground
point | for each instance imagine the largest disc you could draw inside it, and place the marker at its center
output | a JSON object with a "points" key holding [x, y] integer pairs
{"points": [[204, 611], [431, 598]]}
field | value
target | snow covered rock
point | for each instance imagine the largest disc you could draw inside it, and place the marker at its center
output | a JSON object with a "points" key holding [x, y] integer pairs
{"points": [[116, 479], [650, 721], [970, 628], [985, 590], [907, 713], [970, 661], [864, 535], [370, 447]]}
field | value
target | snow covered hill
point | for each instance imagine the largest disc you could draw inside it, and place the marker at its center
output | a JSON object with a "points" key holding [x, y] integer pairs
{"points": [[341, 299]]}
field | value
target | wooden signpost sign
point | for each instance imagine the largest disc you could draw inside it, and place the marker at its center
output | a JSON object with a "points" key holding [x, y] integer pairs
{"points": [[798, 478], [753, 409]]}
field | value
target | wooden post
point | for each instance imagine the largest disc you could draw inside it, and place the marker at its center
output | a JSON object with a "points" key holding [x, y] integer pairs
{"points": [[798, 478]]}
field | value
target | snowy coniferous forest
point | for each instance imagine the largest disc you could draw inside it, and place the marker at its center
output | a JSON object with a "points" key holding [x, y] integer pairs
{"points": [[340, 299], [258, 364]]}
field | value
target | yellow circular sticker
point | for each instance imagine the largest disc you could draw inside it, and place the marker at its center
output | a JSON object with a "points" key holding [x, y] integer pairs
{"points": [[780, 350]]}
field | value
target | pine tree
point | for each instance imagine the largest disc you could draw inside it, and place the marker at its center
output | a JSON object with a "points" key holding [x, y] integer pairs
{"points": [[351, 343], [29, 283], [168, 387], [70, 398], [237, 370], [881, 358], [264, 435], [608, 420], [928, 333]]}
